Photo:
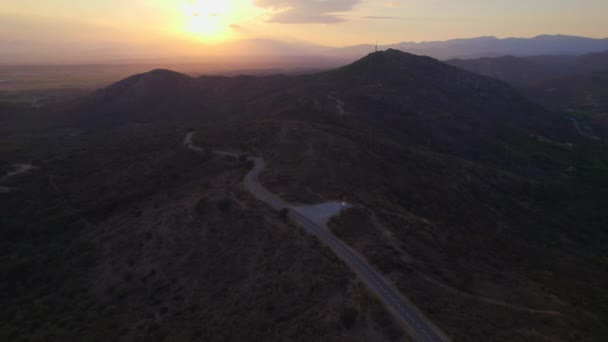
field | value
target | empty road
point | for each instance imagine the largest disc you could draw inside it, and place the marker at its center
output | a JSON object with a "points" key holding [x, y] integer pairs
{"points": [[340, 104], [418, 325]]}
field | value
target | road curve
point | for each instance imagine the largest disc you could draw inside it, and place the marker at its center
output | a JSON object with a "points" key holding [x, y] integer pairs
{"points": [[418, 325]]}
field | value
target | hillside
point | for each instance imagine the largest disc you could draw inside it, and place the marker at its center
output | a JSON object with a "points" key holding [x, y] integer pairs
{"points": [[585, 94], [121, 234], [571, 84], [467, 200], [511, 69], [533, 69], [484, 208]]}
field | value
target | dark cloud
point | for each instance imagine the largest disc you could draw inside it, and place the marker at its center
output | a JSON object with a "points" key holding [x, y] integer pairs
{"points": [[306, 11]]}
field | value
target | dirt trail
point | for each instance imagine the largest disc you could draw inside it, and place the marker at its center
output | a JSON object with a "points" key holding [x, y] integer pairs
{"points": [[489, 300]]}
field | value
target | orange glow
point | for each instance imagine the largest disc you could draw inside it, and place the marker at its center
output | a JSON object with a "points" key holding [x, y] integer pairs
{"points": [[206, 20]]}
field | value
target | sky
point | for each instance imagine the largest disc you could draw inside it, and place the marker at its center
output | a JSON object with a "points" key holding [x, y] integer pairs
{"points": [[146, 27]]}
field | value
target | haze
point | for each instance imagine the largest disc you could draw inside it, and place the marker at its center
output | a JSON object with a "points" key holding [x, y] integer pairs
{"points": [[48, 31]]}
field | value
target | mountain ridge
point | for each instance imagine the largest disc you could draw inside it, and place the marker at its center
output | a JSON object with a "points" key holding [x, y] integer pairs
{"points": [[484, 46], [531, 69]]}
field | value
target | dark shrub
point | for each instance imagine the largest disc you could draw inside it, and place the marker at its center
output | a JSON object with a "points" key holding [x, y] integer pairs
{"points": [[224, 204], [201, 206], [349, 316], [284, 213]]}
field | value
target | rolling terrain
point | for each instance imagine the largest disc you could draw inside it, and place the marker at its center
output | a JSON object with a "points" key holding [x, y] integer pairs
{"points": [[529, 70], [484, 209], [574, 85]]}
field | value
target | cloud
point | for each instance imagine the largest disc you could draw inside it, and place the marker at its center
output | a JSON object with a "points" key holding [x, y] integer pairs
{"points": [[394, 4], [378, 17], [306, 11]]}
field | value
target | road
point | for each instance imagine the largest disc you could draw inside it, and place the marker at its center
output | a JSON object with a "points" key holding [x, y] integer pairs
{"points": [[417, 325], [583, 133], [340, 104], [19, 169]]}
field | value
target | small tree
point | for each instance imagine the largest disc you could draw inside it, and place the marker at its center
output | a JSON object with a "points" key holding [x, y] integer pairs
{"points": [[349, 316], [224, 205], [201, 206], [284, 213]]}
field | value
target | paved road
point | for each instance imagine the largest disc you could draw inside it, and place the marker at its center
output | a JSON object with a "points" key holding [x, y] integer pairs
{"points": [[340, 104], [418, 325], [18, 169], [583, 133]]}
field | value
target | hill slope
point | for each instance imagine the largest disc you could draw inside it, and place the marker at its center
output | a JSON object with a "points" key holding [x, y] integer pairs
{"points": [[534, 69], [465, 190]]}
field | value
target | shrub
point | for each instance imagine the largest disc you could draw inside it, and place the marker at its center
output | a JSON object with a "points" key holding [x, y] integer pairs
{"points": [[349, 316], [224, 204], [284, 213], [201, 206]]}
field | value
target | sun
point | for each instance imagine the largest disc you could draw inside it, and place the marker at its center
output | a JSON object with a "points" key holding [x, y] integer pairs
{"points": [[205, 19]]}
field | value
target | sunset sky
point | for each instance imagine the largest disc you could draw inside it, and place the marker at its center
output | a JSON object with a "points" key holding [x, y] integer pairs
{"points": [[185, 24]]}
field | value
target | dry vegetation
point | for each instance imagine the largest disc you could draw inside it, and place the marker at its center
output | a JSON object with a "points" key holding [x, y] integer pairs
{"points": [[137, 239], [467, 196]]}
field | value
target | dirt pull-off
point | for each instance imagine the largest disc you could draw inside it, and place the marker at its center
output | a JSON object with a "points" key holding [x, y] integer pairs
{"points": [[322, 213]]}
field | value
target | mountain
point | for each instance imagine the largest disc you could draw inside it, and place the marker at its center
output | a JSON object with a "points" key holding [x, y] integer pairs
{"points": [[464, 186], [485, 209], [491, 47], [576, 84], [256, 51], [514, 70], [532, 69], [579, 94]]}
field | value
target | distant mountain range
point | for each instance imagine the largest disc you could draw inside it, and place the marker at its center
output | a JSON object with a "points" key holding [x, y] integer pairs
{"points": [[29, 51], [491, 47]]}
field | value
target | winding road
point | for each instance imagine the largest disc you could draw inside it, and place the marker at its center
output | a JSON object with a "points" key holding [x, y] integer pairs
{"points": [[417, 324], [339, 104], [582, 132]]}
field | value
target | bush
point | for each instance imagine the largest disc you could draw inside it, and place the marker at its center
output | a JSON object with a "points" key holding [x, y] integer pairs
{"points": [[284, 213], [349, 316], [201, 206], [224, 204]]}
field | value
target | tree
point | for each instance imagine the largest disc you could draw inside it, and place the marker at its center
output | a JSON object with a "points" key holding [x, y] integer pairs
{"points": [[201, 206], [224, 204], [349, 316], [284, 213]]}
